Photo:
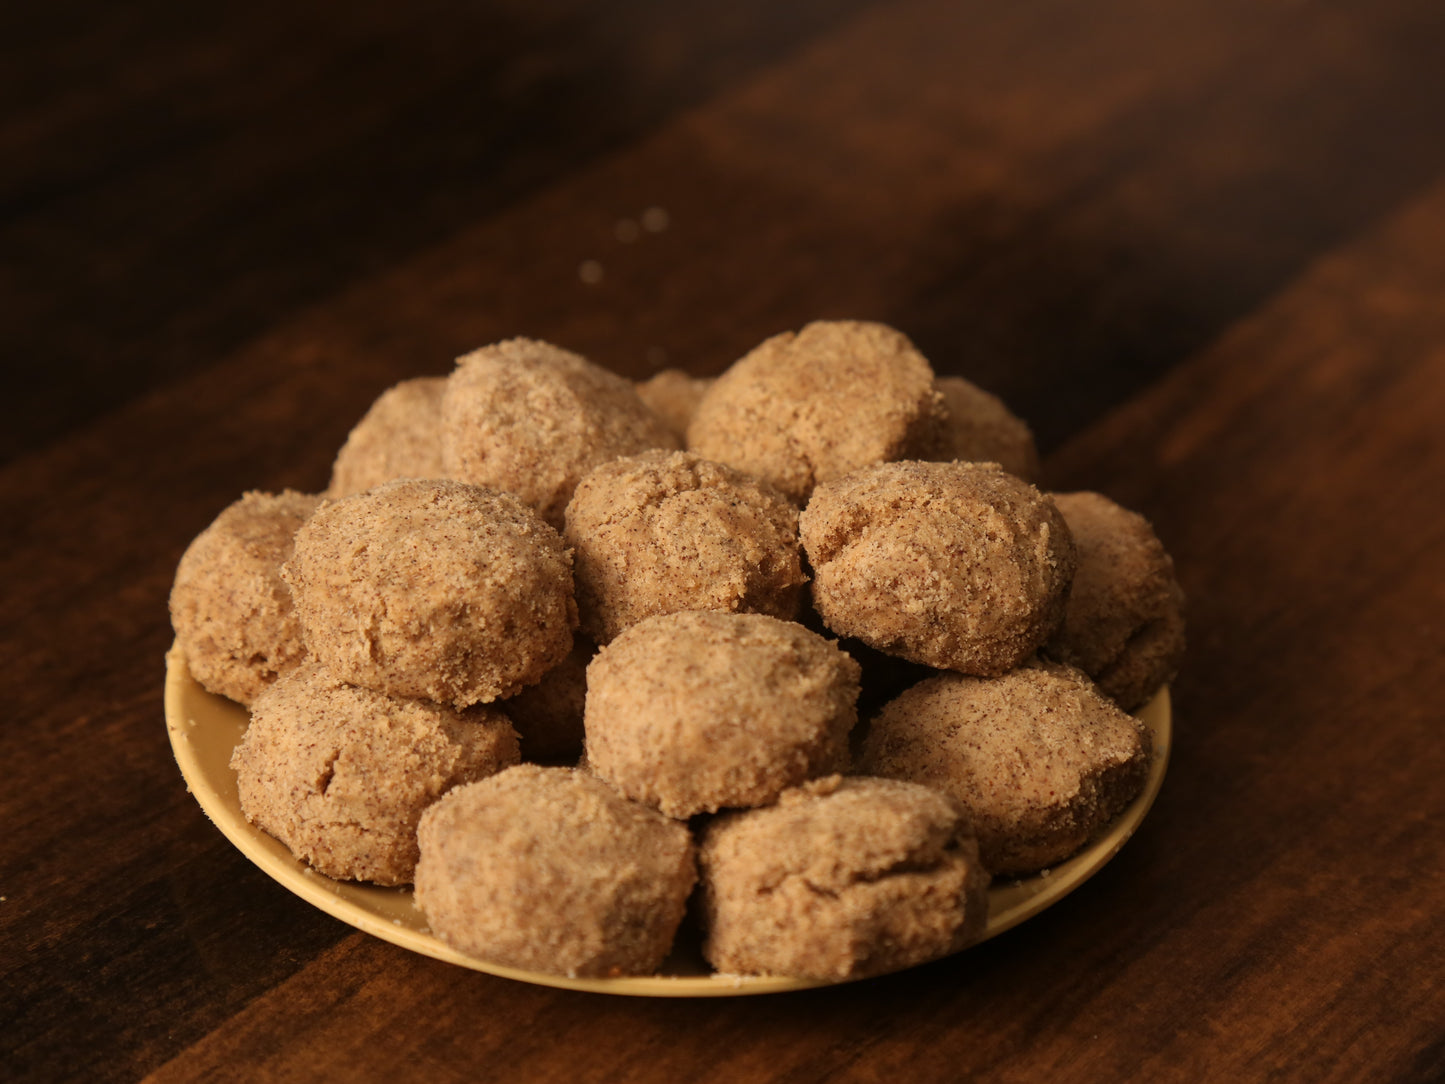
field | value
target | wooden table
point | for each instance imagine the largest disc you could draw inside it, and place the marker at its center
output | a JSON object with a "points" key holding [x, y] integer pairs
{"points": [[1201, 246]]}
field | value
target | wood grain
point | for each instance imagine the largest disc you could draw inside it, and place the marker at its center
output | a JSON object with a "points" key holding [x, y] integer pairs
{"points": [[1199, 246]]}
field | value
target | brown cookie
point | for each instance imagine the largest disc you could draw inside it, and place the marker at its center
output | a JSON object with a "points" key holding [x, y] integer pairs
{"points": [[532, 419], [1124, 623], [341, 774], [805, 408], [230, 608], [840, 879], [982, 429], [693, 712], [398, 437], [1040, 760], [960, 566], [673, 396], [551, 870], [666, 531], [433, 588]]}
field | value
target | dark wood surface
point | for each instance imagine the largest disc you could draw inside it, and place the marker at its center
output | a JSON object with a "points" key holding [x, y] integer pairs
{"points": [[1201, 246]]}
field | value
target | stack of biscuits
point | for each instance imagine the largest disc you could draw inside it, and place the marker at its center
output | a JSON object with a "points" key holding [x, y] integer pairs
{"points": [[574, 655]]}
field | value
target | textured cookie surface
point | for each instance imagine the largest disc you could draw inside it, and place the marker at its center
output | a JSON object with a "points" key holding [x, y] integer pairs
{"points": [[1124, 623], [805, 408], [698, 711], [981, 429], [1040, 760], [667, 531], [398, 437], [841, 878], [230, 608], [435, 589], [960, 566], [341, 774], [673, 396], [531, 418], [550, 869]]}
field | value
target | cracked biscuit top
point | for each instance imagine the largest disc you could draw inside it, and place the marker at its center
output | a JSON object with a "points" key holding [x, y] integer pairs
{"points": [[341, 775], [841, 878]]}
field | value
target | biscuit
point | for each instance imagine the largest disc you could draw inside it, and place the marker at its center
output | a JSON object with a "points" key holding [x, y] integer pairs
{"points": [[398, 437], [959, 566], [341, 774], [981, 429], [230, 608], [1124, 622], [667, 531], [531, 418], [1040, 761], [433, 588], [673, 396], [551, 870], [697, 711], [842, 878], [806, 408]]}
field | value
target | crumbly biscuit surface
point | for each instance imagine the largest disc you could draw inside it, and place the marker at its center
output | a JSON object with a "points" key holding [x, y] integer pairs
{"points": [[230, 608], [804, 408], [959, 566], [667, 531], [841, 878], [341, 774], [1038, 758], [698, 711], [673, 396], [435, 589], [398, 437], [1124, 623], [531, 418], [550, 869], [981, 429]]}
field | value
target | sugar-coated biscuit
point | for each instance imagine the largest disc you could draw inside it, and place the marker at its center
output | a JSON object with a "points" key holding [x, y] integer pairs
{"points": [[1124, 622], [842, 878], [673, 396], [230, 608], [341, 774], [959, 566], [982, 429], [433, 588], [698, 711], [1039, 759], [807, 407], [398, 437], [666, 531], [531, 418], [552, 870]]}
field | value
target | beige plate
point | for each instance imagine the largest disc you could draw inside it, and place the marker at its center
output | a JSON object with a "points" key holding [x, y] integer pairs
{"points": [[205, 728]]}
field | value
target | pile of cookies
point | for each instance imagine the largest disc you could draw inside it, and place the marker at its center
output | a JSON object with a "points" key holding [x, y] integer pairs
{"points": [[573, 655]]}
